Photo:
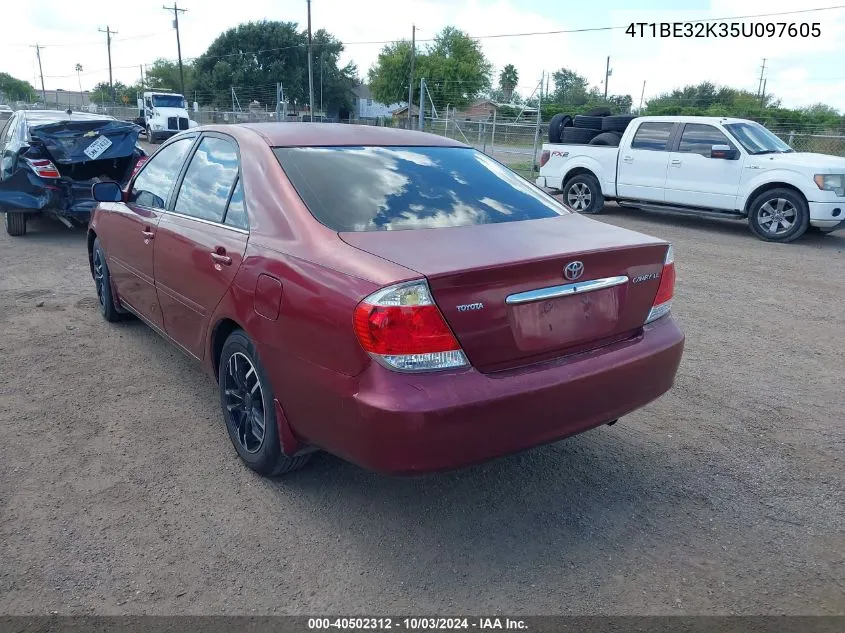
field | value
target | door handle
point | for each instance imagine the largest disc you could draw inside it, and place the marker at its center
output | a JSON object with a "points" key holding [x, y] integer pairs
{"points": [[628, 159], [676, 161], [220, 258], [148, 234]]}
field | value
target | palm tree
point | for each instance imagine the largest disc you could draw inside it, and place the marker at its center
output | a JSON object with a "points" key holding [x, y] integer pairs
{"points": [[79, 70], [508, 79]]}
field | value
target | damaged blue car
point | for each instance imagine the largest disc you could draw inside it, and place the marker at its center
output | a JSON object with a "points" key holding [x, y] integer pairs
{"points": [[49, 161]]}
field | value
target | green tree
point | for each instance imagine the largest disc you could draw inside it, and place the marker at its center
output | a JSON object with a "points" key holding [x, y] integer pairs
{"points": [[102, 93], [508, 80], [453, 65], [15, 89], [252, 57], [163, 74], [571, 89]]}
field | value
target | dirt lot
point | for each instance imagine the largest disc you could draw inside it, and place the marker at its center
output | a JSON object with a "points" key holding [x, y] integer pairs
{"points": [[120, 491]]}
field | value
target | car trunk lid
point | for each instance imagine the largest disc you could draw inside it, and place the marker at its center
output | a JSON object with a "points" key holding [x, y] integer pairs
{"points": [[82, 141], [503, 290]]}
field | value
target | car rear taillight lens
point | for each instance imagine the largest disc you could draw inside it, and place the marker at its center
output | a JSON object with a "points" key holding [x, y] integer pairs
{"points": [[544, 157], [138, 164], [402, 328], [43, 167], [663, 299]]}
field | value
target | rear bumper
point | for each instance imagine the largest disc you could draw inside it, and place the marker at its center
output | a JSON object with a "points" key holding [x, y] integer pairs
{"points": [[404, 424], [827, 215]]}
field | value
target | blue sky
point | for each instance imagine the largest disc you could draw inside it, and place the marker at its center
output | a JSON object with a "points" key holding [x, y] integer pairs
{"points": [[799, 70]]}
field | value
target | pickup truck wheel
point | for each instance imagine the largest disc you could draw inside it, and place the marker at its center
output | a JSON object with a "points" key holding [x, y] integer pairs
{"points": [[582, 193], [249, 409], [779, 215], [15, 223], [102, 282]]}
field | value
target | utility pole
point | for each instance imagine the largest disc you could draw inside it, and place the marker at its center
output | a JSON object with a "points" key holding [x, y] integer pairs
{"points": [[411, 78], [321, 82], [537, 125], [642, 94], [310, 67], [41, 72], [176, 11], [109, 33], [141, 67], [607, 72], [762, 70], [763, 93]]}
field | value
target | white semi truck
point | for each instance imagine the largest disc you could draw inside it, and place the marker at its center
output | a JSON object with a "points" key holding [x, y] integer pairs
{"points": [[162, 114]]}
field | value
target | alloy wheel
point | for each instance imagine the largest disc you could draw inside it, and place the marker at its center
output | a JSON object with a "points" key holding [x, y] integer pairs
{"points": [[99, 278], [579, 196], [777, 216], [244, 402]]}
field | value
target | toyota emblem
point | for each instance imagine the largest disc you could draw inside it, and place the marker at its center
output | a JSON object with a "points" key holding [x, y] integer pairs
{"points": [[573, 270]]}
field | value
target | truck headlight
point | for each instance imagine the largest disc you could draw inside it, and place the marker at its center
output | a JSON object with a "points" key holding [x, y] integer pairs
{"points": [[831, 182]]}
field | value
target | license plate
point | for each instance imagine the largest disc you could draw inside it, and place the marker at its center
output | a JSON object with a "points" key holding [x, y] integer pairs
{"points": [[95, 149]]}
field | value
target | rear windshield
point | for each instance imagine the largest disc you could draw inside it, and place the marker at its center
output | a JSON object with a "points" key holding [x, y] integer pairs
{"points": [[395, 188]]}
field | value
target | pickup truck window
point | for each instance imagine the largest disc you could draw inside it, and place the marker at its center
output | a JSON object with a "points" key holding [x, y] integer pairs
{"points": [[698, 139], [653, 136], [756, 139]]}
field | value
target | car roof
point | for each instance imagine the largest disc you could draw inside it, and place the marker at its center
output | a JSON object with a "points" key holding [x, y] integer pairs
{"points": [[694, 119], [49, 116], [328, 134]]}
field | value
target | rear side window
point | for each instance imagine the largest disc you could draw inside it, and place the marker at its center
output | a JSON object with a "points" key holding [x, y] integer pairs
{"points": [[397, 188], [653, 136], [698, 139], [208, 180], [153, 184]]}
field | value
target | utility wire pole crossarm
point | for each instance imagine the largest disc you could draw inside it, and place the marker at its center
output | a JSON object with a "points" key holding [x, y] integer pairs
{"points": [[109, 33], [176, 11]]}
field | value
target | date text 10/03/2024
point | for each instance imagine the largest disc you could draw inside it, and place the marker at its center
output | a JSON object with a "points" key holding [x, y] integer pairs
{"points": [[416, 624], [724, 29]]}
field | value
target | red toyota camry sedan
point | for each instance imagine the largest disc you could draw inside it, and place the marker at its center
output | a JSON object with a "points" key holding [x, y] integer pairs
{"points": [[396, 298]]}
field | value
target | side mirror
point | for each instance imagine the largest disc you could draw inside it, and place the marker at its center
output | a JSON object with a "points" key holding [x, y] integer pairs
{"points": [[723, 151], [107, 191]]}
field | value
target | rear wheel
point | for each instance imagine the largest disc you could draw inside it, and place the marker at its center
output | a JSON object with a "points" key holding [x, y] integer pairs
{"points": [[779, 215], [102, 281], [582, 193], [247, 400], [15, 223]]}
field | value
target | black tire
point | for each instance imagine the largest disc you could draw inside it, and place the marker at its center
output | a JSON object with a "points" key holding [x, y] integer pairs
{"points": [[102, 283], [578, 136], [599, 111], [582, 193], [618, 123], [15, 223], [586, 122], [263, 455], [769, 211], [152, 139], [606, 138], [556, 125]]}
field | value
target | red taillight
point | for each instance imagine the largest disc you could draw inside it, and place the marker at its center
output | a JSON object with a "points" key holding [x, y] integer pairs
{"points": [[43, 167], [403, 329], [544, 157], [666, 290], [138, 164]]}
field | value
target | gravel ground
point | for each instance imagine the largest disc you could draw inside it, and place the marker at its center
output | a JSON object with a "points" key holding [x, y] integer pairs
{"points": [[120, 492]]}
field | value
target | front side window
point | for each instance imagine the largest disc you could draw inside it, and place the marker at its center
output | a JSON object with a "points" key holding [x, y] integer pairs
{"points": [[208, 180], [653, 136], [152, 185], [699, 139], [400, 188]]}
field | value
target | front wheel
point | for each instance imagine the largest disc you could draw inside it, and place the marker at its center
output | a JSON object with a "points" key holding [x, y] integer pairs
{"points": [[15, 223], [247, 400], [779, 215], [151, 138], [102, 281], [582, 193]]}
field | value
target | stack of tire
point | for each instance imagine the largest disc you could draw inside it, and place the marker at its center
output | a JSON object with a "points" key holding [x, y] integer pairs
{"points": [[596, 127]]}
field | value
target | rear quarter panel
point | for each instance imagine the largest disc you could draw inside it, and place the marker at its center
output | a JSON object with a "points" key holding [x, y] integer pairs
{"points": [[564, 159]]}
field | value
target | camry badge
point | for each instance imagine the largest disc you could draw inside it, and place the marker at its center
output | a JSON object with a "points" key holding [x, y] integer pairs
{"points": [[573, 270]]}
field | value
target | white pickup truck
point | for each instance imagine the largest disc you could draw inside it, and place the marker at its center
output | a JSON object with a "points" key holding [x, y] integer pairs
{"points": [[704, 166]]}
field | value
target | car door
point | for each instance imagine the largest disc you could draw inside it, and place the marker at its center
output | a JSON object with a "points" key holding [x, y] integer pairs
{"points": [[641, 170], [200, 242], [694, 178], [128, 230]]}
